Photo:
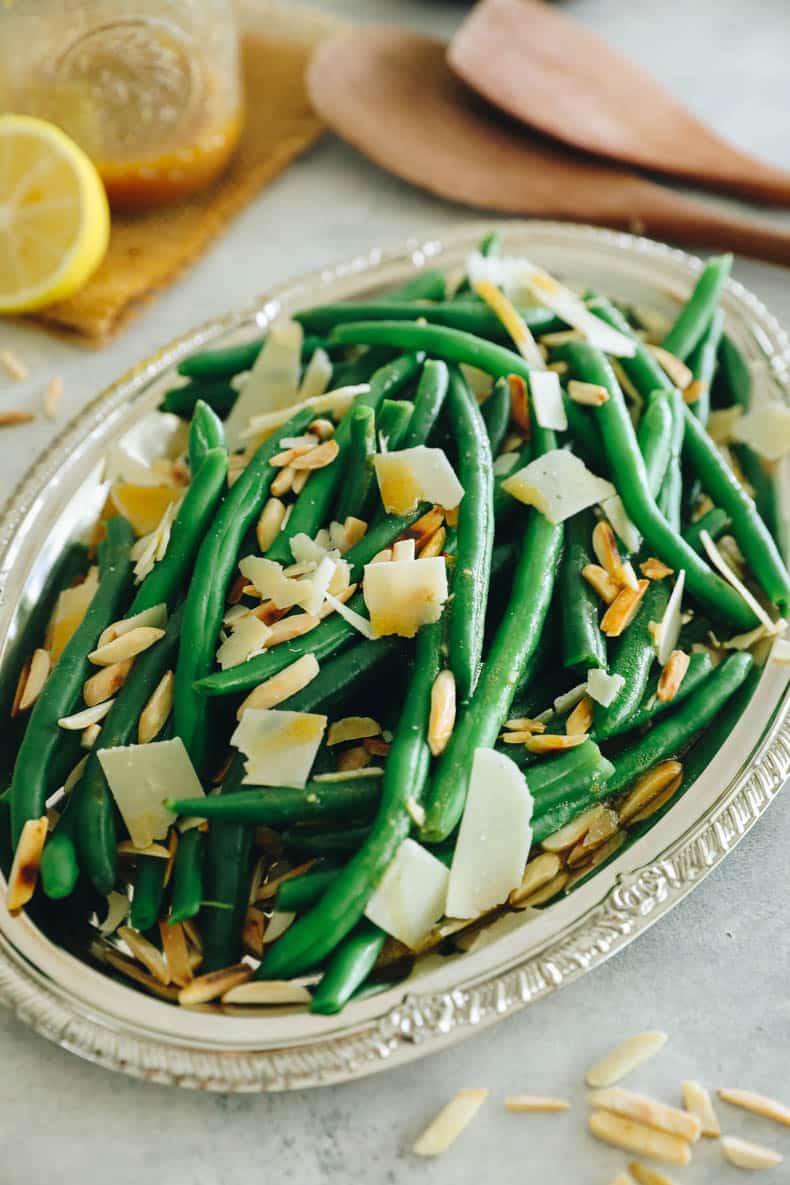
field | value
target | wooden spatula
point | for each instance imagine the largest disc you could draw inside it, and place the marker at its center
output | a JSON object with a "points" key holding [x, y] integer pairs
{"points": [[391, 94], [544, 68]]}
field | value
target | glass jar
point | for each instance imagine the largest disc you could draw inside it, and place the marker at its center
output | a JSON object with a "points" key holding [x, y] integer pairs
{"points": [[151, 90]]}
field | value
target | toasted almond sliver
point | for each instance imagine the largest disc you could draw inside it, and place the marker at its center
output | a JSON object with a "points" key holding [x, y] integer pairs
{"points": [[546, 892], [13, 365], [581, 718], [290, 627], [648, 1111], [443, 710], [602, 829], [552, 742], [10, 419], [622, 1179], [131, 970], [214, 984], [445, 1129], [20, 687], [52, 396], [321, 428], [648, 786], [525, 724], [673, 367], [625, 1057], [654, 569], [318, 457], [532, 1102], [357, 757], [86, 717], [635, 1137], [269, 993], [694, 391], [176, 951], [403, 550], [382, 557], [283, 482], [252, 932], [599, 856], [434, 546], [155, 713], [146, 953], [647, 1176], [599, 579], [126, 646], [759, 1104], [352, 728], [590, 394], [40, 664], [622, 610], [285, 683], [606, 550], [340, 775], [300, 480], [538, 872], [23, 877], [697, 1100], [281, 460], [269, 890], [519, 736], [271, 520], [90, 736], [745, 1155], [423, 528], [354, 529], [568, 836], [519, 404], [656, 803], [127, 848], [672, 675], [106, 683]]}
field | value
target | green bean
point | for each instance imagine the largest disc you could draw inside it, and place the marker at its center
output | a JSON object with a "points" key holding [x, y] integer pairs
{"points": [[583, 644], [426, 285], [227, 880], [348, 968], [310, 841], [318, 932], [583, 432], [670, 497], [300, 892], [278, 806], [474, 535], [490, 245], [358, 483], [751, 533], [227, 361], [706, 586], [392, 422], [702, 363], [633, 658], [313, 505], [698, 312], [505, 505], [428, 403], [205, 603], [347, 673], [59, 869], [715, 521], [32, 781], [470, 316], [496, 415], [654, 437], [560, 800], [165, 582], [668, 737], [205, 433], [517, 636], [699, 668], [217, 393], [187, 891], [149, 891]]}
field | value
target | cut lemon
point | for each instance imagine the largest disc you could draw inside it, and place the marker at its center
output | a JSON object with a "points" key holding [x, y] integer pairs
{"points": [[54, 218], [143, 506]]}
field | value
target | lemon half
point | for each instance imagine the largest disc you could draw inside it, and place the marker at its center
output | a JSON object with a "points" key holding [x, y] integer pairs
{"points": [[54, 217]]}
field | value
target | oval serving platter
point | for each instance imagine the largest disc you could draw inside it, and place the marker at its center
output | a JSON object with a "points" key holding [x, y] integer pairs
{"points": [[518, 959]]}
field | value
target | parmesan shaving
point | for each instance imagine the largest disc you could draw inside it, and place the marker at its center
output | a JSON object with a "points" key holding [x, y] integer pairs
{"points": [[719, 562], [558, 484]]}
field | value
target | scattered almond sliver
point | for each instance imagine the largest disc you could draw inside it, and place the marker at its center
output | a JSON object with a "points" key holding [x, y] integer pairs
{"points": [[758, 1104], [434, 546], [673, 367], [156, 711], [624, 1058], [453, 1118], [590, 394], [176, 952], [604, 826], [635, 1137], [290, 627], [599, 579], [23, 877], [569, 835], [214, 984], [85, 718], [268, 526], [146, 953], [654, 569], [525, 724], [745, 1155], [697, 1100], [269, 890], [546, 891], [318, 457], [519, 404], [352, 728], [536, 1103], [106, 683], [269, 993], [10, 419], [443, 708], [607, 552], [538, 873], [40, 665], [552, 742], [52, 397], [647, 1176], [672, 675], [649, 786], [622, 610], [127, 645], [648, 1111], [581, 718], [13, 365], [285, 683], [357, 757]]}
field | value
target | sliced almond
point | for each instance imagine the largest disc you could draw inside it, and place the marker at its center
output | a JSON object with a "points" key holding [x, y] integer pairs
{"points": [[599, 856], [156, 712], [382, 557], [343, 775], [424, 527], [321, 428], [193, 934], [20, 687], [269, 890], [532, 1102], [128, 645], [519, 404], [625, 1057], [11, 419], [672, 366], [606, 550], [672, 675], [403, 550], [590, 394], [656, 803], [158, 850], [599, 579], [271, 520], [568, 836], [376, 746], [268, 993], [552, 742], [318, 457], [558, 367], [290, 627], [758, 1104], [283, 459], [546, 891], [86, 717], [538, 872], [106, 683], [120, 962], [214, 984], [695, 390], [354, 529], [450, 1122], [622, 610], [647, 1176], [648, 786], [283, 482], [525, 724], [745, 1155], [697, 1100], [13, 365], [649, 1111], [40, 665], [281, 686], [176, 952], [52, 396], [653, 569], [622, 1179], [352, 728], [443, 710], [357, 757], [635, 1137], [90, 736], [300, 480], [23, 877], [252, 932], [604, 826], [581, 718], [146, 953], [435, 545]]}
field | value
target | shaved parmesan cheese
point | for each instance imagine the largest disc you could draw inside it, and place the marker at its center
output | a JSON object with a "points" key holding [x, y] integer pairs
{"points": [[337, 402], [70, 608], [505, 463], [666, 637], [766, 430], [781, 652], [117, 910], [311, 551], [151, 548], [494, 838], [621, 524], [513, 322], [280, 746], [360, 623], [157, 434], [604, 688], [415, 475], [273, 584], [140, 777], [273, 383], [411, 895], [546, 395], [317, 375], [719, 562], [320, 581], [516, 275], [247, 639], [558, 484], [156, 616], [403, 595]]}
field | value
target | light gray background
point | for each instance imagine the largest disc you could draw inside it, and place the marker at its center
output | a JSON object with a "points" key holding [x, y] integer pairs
{"points": [[715, 974]]}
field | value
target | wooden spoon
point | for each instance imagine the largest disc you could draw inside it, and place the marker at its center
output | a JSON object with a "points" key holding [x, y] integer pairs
{"points": [[391, 94], [544, 68]]}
